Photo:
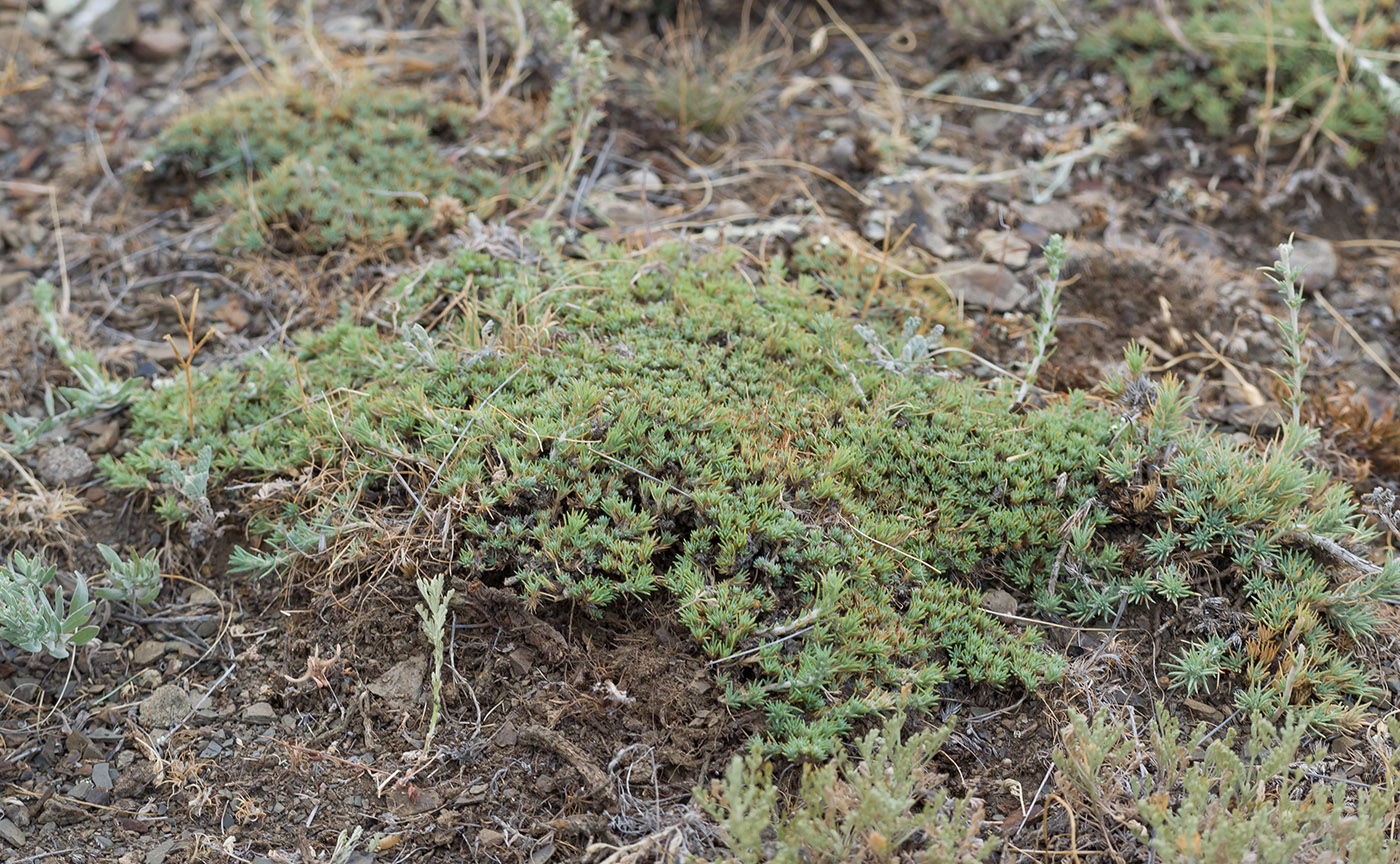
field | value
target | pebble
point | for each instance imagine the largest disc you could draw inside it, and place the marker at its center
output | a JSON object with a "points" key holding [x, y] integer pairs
{"points": [[165, 707], [158, 45], [1318, 258], [148, 652], [734, 210], [201, 596], [157, 854], [65, 465], [1004, 247], [489, 837], [1057, 217], [108, 22], [628, 214], [1000, 601], [841, 87], [643, 178], [11, 834], [843, 151], [259, 712], [102, 775], [986, 286]]}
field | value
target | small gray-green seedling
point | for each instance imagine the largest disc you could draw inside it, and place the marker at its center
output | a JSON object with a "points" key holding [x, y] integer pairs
{"points": [[33, 622], [1049, 286], [434, 616], [136, 581], [97, 390], [917, 349], [191, 496], [1289, 281]]}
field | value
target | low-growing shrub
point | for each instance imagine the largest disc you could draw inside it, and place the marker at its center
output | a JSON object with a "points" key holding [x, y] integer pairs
{"points": [[593, 431]]}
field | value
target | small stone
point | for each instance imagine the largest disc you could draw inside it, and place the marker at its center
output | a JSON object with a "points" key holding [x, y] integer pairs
{"points": [[102, 775], [201, 596], [82, 745], [107, 22], [643, 178], [155, 46], [1318, 258], [1056, 217], [134, 779], [60, 8], [843, 151], [999, 601], [1004, 247], [986, 286], [164, 708], [147, 652], [734, 210], [506, 735], [158, 853], [65, 465], [490, 838], [259, 712], [841, 87], [1201, 708], [147, 679], [10, 833], [627, 214], [211, 750], [403, 683]]}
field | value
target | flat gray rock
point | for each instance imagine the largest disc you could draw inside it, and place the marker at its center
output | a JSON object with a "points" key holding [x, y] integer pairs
{"points": [[259, 712], [986, 286], [10, 833]]}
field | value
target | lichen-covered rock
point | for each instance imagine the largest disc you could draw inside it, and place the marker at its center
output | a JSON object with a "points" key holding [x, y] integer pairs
{"points": [[65, 465]]}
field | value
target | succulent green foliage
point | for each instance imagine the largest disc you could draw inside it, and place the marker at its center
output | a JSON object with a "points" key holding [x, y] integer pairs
{"points": [[618, 428], [31, 619], [1226, 83], [314, 169], [875, 807]]}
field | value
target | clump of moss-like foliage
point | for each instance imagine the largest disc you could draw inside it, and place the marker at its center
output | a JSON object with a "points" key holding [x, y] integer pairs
{"points": [[313, 168], [1220, 76], [590, 431]]}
